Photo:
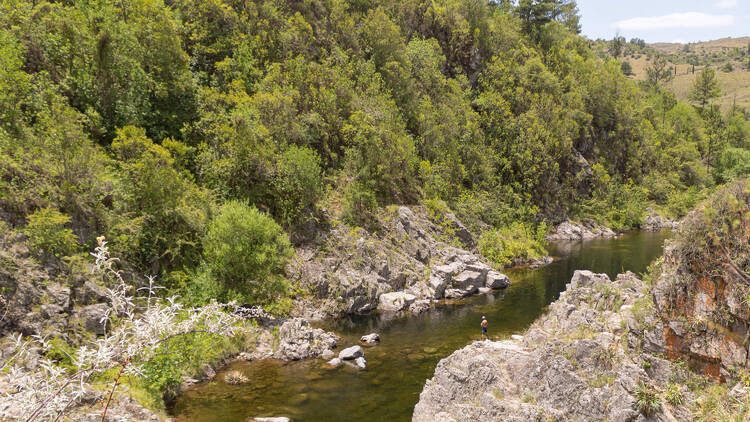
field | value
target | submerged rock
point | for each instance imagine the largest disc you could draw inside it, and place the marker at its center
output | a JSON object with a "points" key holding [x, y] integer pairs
{"points": [[276, 419], [360, 362]]}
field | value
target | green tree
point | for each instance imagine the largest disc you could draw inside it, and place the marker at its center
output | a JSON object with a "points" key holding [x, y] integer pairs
{"points": [[48, 235], [247, 252], [659, 72], [706, 87], [626, 68], [616, 46]]}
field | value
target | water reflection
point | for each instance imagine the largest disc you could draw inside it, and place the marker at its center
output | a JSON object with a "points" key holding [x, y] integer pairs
{"points": [[410, 346]]}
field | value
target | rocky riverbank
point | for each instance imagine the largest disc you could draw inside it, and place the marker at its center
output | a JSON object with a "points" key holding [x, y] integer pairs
{"points": [[591, 357], [409, 263]]}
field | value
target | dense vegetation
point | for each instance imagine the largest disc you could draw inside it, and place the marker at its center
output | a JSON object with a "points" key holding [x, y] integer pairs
{"points": [[178, 127]]}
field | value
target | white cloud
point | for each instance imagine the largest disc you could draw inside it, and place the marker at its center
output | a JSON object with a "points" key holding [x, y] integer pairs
{"points": [[676, 20], [726, 4]]}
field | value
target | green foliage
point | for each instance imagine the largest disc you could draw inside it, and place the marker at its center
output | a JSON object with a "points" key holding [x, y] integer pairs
{"points": [[673, 395], [706, 87], [359, 205], [647, 400], [47, 234], [617, 205], [247, 251], [502, 246], [733, 163], [297, 183]]}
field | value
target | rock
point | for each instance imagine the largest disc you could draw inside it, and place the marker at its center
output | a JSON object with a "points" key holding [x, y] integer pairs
{"points": [[437, 286], [351, 353], [327, 354], [334, 362], [370, 338], [297, 340], [567, 366], [360, 362], [569, 230], [483, 290], [90, 293], [468, 280], [276, 419], [92, 318], [460, 231], [496, 280], [395, 301], [654, 222], [419, 306], [456, 293]]}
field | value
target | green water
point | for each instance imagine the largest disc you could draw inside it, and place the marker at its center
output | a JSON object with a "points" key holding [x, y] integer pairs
{"points": [[410, 346]]}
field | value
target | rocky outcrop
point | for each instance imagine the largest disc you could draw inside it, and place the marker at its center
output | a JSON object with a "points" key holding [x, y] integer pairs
{"points": [[655, 222], [588, 229], [297, 340], [351, 353], [407, 260], [575, 363]]}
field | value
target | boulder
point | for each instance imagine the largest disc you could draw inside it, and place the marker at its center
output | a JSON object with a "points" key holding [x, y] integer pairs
{"points": [[468, 280], [370, 338], [360, 362], [334, 362], [395, 301], [350, 353], [276, 419], [437, 286], [496, 280], [92, 318], [327, 354], [419, 306], [297, 340]]}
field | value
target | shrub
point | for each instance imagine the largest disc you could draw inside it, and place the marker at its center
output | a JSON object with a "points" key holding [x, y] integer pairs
{"points": [[297, 183], [733, 163], [359, 204], [48, 235], [673, 394], [647, 401], [517, 241], [247, 251]]}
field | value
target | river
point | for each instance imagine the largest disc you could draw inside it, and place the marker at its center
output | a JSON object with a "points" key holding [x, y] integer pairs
{"points": [[410, 347]]}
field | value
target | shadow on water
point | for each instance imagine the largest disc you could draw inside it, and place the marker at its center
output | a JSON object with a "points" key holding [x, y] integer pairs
{"points": [[410, 346]]}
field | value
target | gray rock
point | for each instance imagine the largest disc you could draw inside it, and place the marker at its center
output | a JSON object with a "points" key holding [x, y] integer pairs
{"points": [[370, 338], [327, 354], [297, 340], [275, 419], [419, 306], [468, 280], [334, 362], [350, 353], [496, 280], [395, 301], [92, 318], [360, 362]]}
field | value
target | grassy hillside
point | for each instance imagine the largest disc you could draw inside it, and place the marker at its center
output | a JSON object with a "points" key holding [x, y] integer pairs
{"points": [[687, 60]]}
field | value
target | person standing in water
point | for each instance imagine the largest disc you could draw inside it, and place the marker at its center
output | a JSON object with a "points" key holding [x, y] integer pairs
{"points": [[484, 326]]}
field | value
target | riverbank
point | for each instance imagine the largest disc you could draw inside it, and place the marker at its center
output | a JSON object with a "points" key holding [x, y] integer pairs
{"points": [[410, 346]]}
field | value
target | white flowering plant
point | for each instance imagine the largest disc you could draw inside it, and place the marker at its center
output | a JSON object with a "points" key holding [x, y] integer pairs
{"points": [[138, 330]]}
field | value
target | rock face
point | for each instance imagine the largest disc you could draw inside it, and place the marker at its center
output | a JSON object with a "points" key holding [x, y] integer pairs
{"points": [[355, 271], [297, 340], [569, 230], [572, 364], [497, 280]]}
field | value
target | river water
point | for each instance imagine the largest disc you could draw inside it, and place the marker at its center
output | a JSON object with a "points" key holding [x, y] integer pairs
{"points": [[410, 346]]}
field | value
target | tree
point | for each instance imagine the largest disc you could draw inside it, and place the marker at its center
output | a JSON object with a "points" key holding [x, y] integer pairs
{"points": [[706, 87], [659, 71], [537, 13], [626, 68], [247, 251], [616, 46]]}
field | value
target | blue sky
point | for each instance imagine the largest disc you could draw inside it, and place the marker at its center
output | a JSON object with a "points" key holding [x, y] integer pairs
{"points": [[665, 20]]}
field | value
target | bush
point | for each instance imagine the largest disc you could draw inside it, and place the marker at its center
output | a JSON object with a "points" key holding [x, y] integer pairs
{"points": [[48, 235], [359, 204], [733, 163], [647, 401], [247, 251], [297, 184], [517, 241]]}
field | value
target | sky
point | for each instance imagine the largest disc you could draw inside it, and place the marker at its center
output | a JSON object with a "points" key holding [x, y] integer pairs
{"points": [[665, 20]]}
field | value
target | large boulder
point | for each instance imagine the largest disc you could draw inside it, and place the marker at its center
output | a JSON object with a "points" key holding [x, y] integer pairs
{"points": [[351, 353], [395, 301], [468, 280], [370, 338], [297, 340], [496, 280]]}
